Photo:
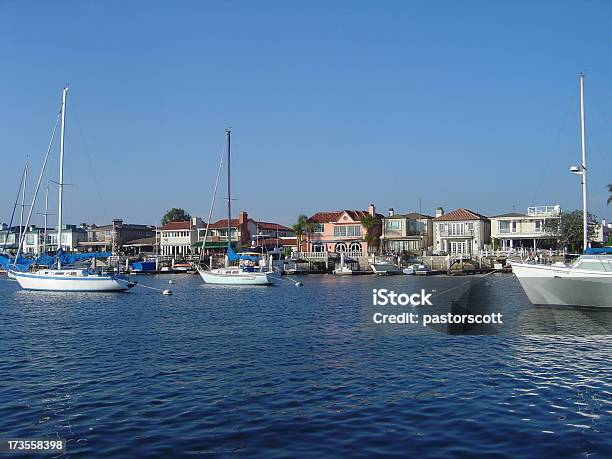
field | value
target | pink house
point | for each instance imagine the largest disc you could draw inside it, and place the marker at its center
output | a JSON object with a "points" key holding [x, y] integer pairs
{"points": [[339, 231]]}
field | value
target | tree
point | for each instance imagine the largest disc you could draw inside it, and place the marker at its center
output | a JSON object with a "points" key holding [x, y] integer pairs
{"points": [[373, 227], [567, 229], [175, 215], [300, 228]]}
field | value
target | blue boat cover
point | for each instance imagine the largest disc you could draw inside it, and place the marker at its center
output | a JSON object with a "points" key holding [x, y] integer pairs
{"points": [[22, 264], [233, 256], [598, 251]]}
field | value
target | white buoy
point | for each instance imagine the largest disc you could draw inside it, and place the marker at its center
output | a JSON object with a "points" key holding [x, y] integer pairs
{"points": [[167, 292], [298, 284]]}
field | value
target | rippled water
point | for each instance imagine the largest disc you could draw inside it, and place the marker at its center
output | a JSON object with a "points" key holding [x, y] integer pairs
{"points": [[286, 371]]}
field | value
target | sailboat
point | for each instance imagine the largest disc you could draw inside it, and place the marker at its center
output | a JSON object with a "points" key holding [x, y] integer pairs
{"points": [[588, 280], [67, 278], [234, 275]]}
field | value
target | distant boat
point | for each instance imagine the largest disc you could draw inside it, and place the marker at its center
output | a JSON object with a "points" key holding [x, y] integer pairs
{"points": [[416, 269], [67, 279], [235, 275], [385, 268]]}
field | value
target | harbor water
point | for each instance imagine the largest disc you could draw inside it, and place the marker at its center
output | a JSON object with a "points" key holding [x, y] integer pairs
{"points": [[284, 371]]}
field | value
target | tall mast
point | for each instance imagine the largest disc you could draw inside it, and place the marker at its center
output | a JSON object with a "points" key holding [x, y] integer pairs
{"points": [[584, 167], [46, 215], [61, 175], [228, 132]]}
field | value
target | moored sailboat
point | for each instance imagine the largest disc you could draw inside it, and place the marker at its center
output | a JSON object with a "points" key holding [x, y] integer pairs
{"points": [[587, 281], [244, 273], [68, 278]]}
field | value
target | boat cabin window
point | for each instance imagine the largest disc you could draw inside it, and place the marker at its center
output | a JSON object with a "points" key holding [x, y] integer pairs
{"points": [[595, 265]]}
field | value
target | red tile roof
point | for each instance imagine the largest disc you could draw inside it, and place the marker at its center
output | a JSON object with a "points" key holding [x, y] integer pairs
{"points": [[222, 224], [177, 226], [333, 216], [271, 226], [460, 214], [280, 242]]}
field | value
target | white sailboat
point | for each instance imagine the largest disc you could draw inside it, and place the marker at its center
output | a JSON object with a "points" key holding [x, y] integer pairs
{"points": [[234, 275], [586, 282], [67, 279]]}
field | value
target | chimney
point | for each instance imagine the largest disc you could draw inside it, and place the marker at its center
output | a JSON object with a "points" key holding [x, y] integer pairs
{"points": [[391, 212], [439, 212], [242, 217], [117, 222], [372, 210]]}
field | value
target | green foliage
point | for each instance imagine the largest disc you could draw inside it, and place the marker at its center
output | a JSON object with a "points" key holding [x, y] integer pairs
{"points": [[373, 226], [567, 229], [300, 228], [175, 215]]}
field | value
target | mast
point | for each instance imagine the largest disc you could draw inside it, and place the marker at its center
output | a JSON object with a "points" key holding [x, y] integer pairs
{"points": [[61, 175], [228, 133], [46, 215], [585, 240]]}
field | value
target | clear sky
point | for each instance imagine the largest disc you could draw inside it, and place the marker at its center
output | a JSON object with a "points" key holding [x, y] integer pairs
{"points": [[333, 104]]}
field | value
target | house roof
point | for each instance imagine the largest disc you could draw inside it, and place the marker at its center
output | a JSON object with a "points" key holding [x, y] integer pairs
{"points": [[510, 214], [333, 216], [280, 242], [221, 224], [177, 226], [123, 226], [411, 215], [271, 226], [141, 242], [460, 214]]}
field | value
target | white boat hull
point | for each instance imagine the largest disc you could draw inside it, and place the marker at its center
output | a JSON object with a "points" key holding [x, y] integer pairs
{"points": [[558, 285], [235, 276], [89, 283]]}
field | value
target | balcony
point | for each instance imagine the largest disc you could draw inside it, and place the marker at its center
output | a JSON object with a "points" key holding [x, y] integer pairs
{"points": [[451, 233], [544, 211]]}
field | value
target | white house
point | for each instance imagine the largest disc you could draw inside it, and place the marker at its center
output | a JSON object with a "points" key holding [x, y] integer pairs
{"points": [[517, 230], [461, 231], [177, 238], [412, 232]]}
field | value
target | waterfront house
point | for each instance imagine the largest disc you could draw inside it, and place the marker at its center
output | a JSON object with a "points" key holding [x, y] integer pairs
{"points": [[517, 230], [114, 236], [461, 231], [241, 227], [34, 242], [340, 231], [177, 238], [411, 232]]}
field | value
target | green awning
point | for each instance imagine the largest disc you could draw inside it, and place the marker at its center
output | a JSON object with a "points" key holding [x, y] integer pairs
{"points": [[210, 245]]}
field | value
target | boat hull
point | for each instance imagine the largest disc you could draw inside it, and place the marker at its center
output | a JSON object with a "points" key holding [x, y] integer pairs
{"points": [[560, 286], [222, 277], [92, 283]]}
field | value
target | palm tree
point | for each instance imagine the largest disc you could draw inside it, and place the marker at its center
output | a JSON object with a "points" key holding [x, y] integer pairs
{"points": [[300, 228], [372, 225]]}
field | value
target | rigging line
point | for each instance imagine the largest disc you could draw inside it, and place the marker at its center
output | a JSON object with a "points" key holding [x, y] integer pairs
{"points": [[212, 204], [42, 172], [8, 229], [79, 131]]}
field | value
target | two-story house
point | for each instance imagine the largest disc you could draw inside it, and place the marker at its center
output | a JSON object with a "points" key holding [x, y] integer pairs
{"points": [[517, 230], [341, 231], [178, 238], [34, 242], [112, 237], [412, 233], [241, 229], [461, 231]]}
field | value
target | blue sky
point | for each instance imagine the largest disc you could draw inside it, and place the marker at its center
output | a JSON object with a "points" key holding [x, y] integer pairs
{"points": [[333, 104]]}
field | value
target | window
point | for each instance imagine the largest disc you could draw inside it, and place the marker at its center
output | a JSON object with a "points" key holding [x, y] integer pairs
{"points": [[347, 231], [341, 247], [394, 224], [538, 226], [514, 227], [504, 226], [318, 228], [355, 247], [29, 239]]}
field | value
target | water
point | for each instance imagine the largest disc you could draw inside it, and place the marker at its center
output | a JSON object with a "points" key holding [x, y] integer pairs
{"points": [[286, 371]]}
